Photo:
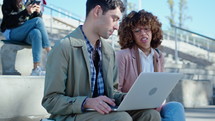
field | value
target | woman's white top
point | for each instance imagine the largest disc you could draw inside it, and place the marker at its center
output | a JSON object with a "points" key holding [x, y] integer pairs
{"points": [[146, 61]]}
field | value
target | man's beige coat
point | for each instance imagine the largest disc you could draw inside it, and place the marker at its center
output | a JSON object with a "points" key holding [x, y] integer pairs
{"points": [[67, 81]]}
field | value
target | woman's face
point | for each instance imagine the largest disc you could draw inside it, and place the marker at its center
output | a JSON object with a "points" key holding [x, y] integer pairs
{"points": [[143, 36]]}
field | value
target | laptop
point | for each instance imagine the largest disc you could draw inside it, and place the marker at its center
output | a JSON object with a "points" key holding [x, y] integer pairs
{"points": [[149, 91]]}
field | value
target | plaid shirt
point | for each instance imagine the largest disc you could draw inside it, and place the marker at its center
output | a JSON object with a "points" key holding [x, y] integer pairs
{"points": [[100, 82]]}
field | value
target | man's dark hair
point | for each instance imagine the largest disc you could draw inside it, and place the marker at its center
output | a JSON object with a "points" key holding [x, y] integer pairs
{"points": [[105, 5]]}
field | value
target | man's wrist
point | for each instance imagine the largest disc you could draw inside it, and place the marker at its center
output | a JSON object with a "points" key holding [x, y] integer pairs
{"points": [[82, 106]]}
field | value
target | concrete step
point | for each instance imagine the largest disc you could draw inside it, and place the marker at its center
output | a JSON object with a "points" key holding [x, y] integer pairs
{"points": [[200, 114], [193, 93], [198, 71], [21, 96], [190, 49], [24, 60]]}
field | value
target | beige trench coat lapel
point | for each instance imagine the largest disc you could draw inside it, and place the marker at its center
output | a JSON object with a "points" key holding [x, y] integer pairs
{"points": [[82, 44], [105, 65]]}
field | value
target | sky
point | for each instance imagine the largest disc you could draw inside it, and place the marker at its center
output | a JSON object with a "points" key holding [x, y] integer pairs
{"points": [[201, 12]]}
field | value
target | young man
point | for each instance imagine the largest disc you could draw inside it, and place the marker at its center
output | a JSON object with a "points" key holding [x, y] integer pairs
{"points": [[75, 80]]}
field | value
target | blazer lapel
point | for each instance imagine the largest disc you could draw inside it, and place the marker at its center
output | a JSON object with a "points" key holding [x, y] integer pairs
{"points": [[136, 60]]}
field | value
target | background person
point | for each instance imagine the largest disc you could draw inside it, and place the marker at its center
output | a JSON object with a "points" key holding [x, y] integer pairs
{"points": [[24, 24], [42, 3], [81, 70], [139, 35]]}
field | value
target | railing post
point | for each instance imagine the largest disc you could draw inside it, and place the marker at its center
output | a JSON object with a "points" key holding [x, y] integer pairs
{"points": [[167, 36], [176, 46], [181, 37], [187, 38], [51, 21], [208, 50]]}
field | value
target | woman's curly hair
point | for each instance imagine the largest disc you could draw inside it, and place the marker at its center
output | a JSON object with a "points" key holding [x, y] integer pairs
{"points": [[134, 19]]}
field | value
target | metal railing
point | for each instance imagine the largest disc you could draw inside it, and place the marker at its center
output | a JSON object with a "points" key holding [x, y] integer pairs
{"points": [[60, 13], [57, 12], [198, 40], [65, 14], [177, 34]]}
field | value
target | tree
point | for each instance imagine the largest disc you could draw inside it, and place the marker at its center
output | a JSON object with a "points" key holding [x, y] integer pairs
{"points": [[182, 16], [128, 6], [171, 18], [125, 3], [182, 10], [131, 6]]}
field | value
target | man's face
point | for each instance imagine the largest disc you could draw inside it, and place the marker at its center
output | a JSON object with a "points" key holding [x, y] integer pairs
{"points": [[108, 22]]}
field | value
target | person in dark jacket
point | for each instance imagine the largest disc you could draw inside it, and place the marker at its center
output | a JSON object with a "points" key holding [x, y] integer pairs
{"points": [[22, 23]]}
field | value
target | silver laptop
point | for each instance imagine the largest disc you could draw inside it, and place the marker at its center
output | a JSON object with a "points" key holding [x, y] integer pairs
{"points": [[148, 91]]}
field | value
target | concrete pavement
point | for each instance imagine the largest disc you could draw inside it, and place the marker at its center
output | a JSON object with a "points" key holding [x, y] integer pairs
{"points": [[200, 114], [192, 114]]}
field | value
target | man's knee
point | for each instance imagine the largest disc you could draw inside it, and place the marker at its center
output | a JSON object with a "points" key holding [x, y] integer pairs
{"points": [[120, 116], [151, 115]]}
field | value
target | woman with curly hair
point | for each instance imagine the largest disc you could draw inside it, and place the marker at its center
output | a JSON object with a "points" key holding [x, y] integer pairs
{"points": [[140, 34]]}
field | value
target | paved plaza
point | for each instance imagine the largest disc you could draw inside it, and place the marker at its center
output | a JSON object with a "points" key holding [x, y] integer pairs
{"points": [[200, 114]]}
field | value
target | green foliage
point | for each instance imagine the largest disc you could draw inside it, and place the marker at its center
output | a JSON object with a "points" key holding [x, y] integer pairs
{"points": [[182, 16]]}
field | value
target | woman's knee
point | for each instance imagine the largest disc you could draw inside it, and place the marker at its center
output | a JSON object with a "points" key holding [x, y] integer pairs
{"points": [[173, 111], [174, 106], [34, 36], [35, 33], [37, 20]]}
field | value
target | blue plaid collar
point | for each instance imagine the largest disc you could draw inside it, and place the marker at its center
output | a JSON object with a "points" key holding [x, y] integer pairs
{"points": [[100, 82], [90, 47]]}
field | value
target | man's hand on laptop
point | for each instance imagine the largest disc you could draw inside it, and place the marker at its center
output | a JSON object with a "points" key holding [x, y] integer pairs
{"points": [[100, 104]]}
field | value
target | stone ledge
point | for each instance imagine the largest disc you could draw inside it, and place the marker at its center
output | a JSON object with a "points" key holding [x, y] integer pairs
{"points": [[25, 118], [193, 93], [21, 96], [23, 62]]}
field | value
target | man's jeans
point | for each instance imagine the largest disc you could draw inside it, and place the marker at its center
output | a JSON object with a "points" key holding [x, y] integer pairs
{"points": [[172, 111], [34, 33]]}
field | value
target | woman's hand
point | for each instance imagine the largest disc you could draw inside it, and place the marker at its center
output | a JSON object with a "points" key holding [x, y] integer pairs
{"points": [[33, 8]]}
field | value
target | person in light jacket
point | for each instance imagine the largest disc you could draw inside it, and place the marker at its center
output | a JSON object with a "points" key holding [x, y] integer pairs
{"points": [[139, 36], [75, 81]]}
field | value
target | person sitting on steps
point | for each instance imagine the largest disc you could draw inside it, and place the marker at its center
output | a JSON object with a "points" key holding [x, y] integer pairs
{"points": [[140, 34], [24, 24]]}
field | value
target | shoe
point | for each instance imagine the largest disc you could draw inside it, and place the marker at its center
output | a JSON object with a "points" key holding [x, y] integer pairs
{"points": [[38, 72], [15, 72]]}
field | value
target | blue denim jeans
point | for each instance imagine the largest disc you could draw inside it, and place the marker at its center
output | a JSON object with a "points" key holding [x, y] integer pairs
{"points": [[172, 111], [34, 33]]}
